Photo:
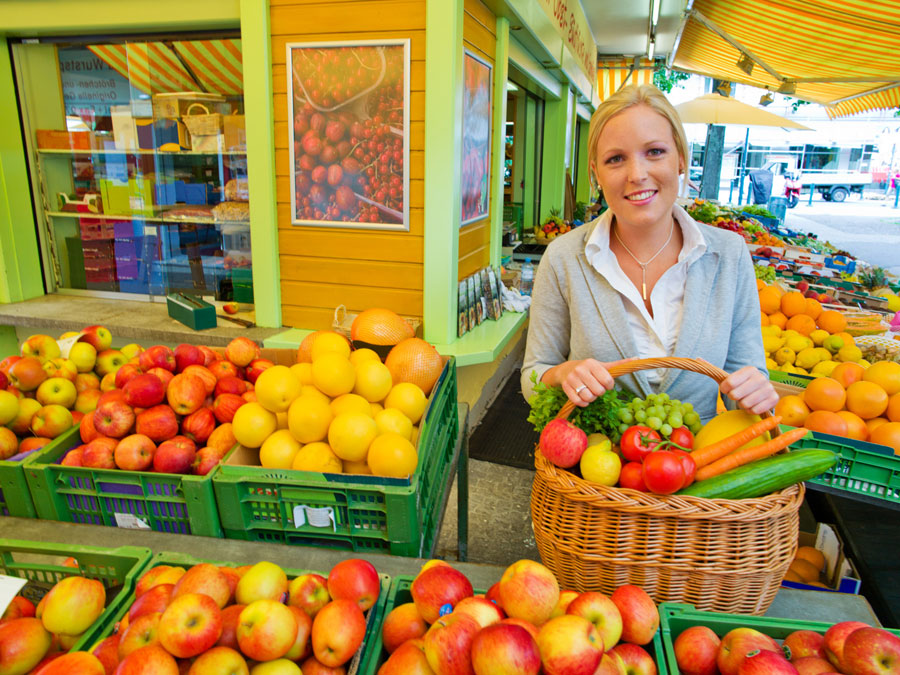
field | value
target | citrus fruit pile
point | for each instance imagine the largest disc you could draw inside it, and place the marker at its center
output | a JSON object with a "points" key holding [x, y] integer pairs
{"points": [[854, 402], [341, 411]]}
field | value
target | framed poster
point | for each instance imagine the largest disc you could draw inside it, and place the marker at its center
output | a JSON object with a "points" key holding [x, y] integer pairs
{"points": [[348, 107], [476, 139]]}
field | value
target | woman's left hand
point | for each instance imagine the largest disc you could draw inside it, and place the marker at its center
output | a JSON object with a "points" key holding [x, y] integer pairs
{"points": [[750, 389]]}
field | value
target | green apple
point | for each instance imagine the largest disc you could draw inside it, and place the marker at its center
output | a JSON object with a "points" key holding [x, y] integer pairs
{"points": [[9, 407], [84, 356], [131, 350], [57, 390]]}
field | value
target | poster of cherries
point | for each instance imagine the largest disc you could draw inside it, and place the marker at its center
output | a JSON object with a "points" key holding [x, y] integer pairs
{"points": [[349, 133]]}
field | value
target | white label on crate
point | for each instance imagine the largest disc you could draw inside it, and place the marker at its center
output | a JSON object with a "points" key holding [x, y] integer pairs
{"points": [[131, 521], [317, 517], [9, 588], [149, 230], [65, 346], [136, 203]]}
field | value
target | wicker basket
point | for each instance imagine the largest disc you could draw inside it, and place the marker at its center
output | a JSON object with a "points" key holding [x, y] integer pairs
{"points": [[723, 555], [202, 124]]}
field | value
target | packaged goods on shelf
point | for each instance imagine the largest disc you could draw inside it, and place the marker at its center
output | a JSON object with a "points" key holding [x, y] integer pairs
{"points": [[839, 573]]}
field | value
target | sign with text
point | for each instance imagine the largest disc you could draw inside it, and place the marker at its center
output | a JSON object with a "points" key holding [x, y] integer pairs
{"points": [[90, 85], [570, 22]]}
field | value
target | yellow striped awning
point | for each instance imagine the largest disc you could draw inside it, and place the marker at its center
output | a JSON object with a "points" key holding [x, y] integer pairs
{"points": [[214, 66], [613, 74], [842, 54]]}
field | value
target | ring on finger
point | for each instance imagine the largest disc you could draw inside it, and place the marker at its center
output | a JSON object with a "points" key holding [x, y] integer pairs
{"points": [[578, 389]]}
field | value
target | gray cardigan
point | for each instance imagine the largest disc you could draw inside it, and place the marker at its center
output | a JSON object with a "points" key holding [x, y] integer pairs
{"points": [[577, 314]]}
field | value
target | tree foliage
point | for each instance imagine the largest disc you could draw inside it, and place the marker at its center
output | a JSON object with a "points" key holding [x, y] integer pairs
{"points": [[665, 79]]}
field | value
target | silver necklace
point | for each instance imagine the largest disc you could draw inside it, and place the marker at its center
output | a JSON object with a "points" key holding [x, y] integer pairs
{"points": [[644, 264]]}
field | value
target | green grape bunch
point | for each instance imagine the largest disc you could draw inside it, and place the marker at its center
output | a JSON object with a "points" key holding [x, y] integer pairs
{"points": [[659, 412]]}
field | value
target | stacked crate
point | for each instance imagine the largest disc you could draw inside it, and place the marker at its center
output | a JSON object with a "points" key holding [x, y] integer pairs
{"points": [[98, 247]]}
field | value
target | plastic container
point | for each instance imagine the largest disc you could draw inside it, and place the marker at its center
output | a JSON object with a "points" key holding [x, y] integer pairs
{"points": [[354, 512], [374, 654], [165, 502], [527, 277], [42, 565]]}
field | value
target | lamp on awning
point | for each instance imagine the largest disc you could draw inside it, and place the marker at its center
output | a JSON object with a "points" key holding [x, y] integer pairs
{"points": [[746, 64], [788, 88], [766, 99]]}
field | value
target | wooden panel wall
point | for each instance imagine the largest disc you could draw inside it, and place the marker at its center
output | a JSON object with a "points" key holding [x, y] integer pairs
{"points": [[324, 267], [479, 37]]}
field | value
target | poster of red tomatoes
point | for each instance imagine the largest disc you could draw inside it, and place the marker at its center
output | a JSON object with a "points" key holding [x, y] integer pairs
{"points": [[348, 104], [476, 139]]}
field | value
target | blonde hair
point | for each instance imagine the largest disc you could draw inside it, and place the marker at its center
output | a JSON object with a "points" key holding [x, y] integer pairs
{"points": [[627, 97]]}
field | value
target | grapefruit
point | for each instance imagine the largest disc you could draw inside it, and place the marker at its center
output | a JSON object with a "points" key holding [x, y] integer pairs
{"points": [[253, 424], [379, 326], [415, 361]]}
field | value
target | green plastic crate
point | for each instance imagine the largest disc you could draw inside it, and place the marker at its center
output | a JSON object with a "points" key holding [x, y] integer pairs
{"points": [[398, 516], [42, 565], [15, 499], [165, 502], [374, 655], [676, 618]]}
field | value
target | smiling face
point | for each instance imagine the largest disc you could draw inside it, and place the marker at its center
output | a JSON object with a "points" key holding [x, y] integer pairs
{"points": [[637, 165]]}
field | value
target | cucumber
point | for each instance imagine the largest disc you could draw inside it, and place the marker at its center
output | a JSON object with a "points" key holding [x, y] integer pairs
{"points": [[767, 475]]}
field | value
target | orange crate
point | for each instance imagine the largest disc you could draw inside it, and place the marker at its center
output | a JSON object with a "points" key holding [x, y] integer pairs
{"points": [[55, 139]]}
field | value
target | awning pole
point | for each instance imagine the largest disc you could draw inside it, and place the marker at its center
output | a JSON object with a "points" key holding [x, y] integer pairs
{"points": [[743, 165]]}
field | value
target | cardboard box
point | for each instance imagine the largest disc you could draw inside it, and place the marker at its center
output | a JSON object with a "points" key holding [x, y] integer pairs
{"points": [[56, 139], [840, 575], [124, 129], [235, 133], [211, 143]]}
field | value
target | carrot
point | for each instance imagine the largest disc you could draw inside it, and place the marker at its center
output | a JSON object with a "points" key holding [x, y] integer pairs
{"points": [[721, 448], [747, 455]]}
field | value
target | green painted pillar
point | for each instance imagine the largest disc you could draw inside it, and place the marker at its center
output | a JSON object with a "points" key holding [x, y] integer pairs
{"points": [[498, 136], [529, 142], [9, 343], [260, 123], [443, 143], [553, 164], [583, 184], [20, 267]]}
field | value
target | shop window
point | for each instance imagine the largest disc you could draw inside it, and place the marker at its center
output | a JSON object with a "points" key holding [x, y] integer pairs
{"points": [[140, 164]]}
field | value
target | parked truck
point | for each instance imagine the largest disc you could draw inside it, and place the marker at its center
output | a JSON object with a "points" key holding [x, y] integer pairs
{"points": [[834, 186]]}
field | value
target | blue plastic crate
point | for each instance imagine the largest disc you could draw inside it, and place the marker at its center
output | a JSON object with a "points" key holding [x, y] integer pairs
{"points": [[841, 263]]}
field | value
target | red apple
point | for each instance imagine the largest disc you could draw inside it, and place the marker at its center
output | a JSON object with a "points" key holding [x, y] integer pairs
{"points": [[205, 374], [100, 453], [219, 660], [113, 419], [86, 429], [207, 579], [158, 423], [505, 649], [74, 457], [230, 385], [208, 355], [191, 624], [41, 347], [262, 581], [26, 374], [408, 659], [6, 363], [402, 623], [144, 391], [142, 631], [205, 461], [97, 336], [135, 453], [107, 652], [640, 617], [570, 645], [175, 456], [87, 400], [529, 591], [635, 659], [154, 600], [309, 592], [187, 355], [562, 443], [256, 367], [23, 607], [108, 362], [51, 421], [481, 609], [23, 643], [448, 643], [72, 605], [301, 646], [601, 611], [186, 393], [835, 637], [82, 663], [64, 368], [151, 660], [765, 662], [199, 425], [739, 642], [157, 356], [611, 664], [355, 579], [225, 405], [126, 374], [230, 618], [222, 369], [871, 651], [117, 395], [438, 586], [527, 625], [165, 376], [241, 351], [565, 599], [230, 307], [695, 651], [812, 665], [161, 574], [802, 643], [266, 630]]}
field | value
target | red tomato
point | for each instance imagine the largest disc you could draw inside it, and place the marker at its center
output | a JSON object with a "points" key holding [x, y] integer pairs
{"points": [[638, 442], [630, 477], [683, 437], [663, 472], [688, 464]]}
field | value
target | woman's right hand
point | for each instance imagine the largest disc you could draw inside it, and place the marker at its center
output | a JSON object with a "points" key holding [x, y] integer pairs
{"points": [[582, 381]]}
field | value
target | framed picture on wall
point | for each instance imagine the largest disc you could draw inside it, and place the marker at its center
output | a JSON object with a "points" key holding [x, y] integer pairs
{"points": [[348, 130], [476, 139]]}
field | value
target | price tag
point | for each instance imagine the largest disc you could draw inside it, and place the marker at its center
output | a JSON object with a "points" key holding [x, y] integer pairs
{"points": [[9, 588], [65, 346], [131, 521], [316, 517]]}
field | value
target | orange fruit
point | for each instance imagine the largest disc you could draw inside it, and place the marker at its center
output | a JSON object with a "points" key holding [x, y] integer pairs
{"points": [[824, 393], [793, 576], [415, 361], [805, 570], [847, 373], [866, 399], [379, 326], [760, 284], [886, 374], [832, 321], [811, 555], [769, 300], [304, 351], [893, 409], [876, 422], [813, 308], [778, 319], [792, 409], [826, 422], [793, 303], [856, 425], [763, 319], [801, 323], [392, 455], [887, 434], [253, 424]]}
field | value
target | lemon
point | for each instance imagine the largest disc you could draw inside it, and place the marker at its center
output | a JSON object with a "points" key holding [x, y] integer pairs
{"points": [[785, 355], [893, 303], [393, 420], [798, 343], [833, 344], [375, 408], [330, 343], [771, 365], [358, 356], [333, 374], [772, 344], [823, 353], [373, 381], [303, 371], [308, 419], [278, 450], [864, 363], [276, 388], [351, 403], [818, 336], [253, 424], [317, 457], [849, 353], [350, 435], [409, 399], [600, 465], [392, 455], [790, 333], [824, 367], [807, 358], [801, 371], [772, 329]]}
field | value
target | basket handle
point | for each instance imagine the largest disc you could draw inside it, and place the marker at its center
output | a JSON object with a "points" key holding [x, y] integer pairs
{"points": [[693, 365], [202, 107]]}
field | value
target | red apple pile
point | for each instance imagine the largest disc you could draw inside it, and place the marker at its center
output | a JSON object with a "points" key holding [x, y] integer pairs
{"points": [[524, 624], [848, 648], [218, 619]]}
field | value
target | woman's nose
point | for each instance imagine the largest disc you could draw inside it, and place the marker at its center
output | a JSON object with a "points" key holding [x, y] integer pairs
{"points": [[637, 170]]}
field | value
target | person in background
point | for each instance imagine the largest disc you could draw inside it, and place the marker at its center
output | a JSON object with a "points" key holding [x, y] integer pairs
{"points": [[644, 279]]}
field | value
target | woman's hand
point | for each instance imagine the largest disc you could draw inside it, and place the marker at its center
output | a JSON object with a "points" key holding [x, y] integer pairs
{"points": [[750, 389], [582, 381]]}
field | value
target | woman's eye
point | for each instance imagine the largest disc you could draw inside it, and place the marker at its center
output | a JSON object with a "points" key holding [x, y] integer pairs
{"points": [[656, 152], [614, 159]]}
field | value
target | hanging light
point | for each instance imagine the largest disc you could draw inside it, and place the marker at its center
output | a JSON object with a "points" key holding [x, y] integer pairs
{"points": [[788, 88], [766, 98], [724, 89], [745, 63]]}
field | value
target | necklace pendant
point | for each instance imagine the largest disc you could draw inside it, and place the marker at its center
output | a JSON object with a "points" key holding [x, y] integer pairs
{"points": [[643, 289]]}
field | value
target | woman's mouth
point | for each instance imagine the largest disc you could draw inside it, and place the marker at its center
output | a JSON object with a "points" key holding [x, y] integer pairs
{"points": [[640, 196]]}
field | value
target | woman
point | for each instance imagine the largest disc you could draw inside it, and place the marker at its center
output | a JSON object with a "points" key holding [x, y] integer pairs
{"points": [[644, 279]]}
